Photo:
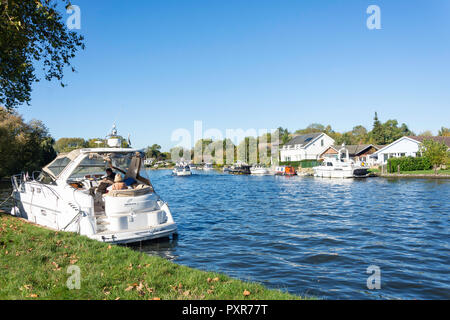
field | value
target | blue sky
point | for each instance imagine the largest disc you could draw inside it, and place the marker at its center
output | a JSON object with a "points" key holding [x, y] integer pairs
{"points": [[155, 66]]}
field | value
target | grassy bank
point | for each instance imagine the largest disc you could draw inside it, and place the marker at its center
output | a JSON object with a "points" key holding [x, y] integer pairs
{"points": [[428, 172], [34, 264], [444, 174]]}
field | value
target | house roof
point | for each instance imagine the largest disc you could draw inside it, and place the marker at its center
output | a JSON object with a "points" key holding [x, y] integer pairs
{"points": [[355, 149], [417, 139], [304, 139], [445, 140]]}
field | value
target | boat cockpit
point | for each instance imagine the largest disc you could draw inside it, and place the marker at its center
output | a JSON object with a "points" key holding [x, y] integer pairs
{"points": [[85, 170]]}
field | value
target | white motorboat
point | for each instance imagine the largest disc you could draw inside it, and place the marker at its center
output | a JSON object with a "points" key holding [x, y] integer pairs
{"points": [[70, 195], [340, 167], [260, 170], [182, 169], [208, 167]]}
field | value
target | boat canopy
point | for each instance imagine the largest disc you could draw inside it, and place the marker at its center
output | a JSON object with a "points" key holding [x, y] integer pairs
{"points": [[96, 159], [55, 167]]}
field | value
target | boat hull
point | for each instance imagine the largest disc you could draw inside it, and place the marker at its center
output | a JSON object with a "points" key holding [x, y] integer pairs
{"points": [[340, 174]]}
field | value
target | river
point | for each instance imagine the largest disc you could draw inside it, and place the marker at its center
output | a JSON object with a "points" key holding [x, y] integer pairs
{"points": [[310, 236]]}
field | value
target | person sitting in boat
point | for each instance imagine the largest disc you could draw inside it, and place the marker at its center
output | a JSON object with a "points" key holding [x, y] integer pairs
{"points": [[107, 181], [118, 183], [110, 175]]}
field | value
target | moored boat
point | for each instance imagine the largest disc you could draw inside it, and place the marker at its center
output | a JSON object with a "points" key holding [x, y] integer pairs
{"points": [[340, 167], [182, 169], [208, 167], [240, 168], [72, 194], [285, 171], [260, 170]]}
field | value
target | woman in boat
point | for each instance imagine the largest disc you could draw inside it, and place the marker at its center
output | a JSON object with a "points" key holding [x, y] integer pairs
{"points": [[118, 183]]}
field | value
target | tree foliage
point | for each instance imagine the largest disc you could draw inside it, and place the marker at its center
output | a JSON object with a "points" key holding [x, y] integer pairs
{"points": [[68, 144], [436, 152], [33, 36], [24, 146], [444, 132]]}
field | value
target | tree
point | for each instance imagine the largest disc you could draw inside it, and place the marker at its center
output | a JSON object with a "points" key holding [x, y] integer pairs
{"points": [[426, 133], [444, 132], [63, 145], [33, 36], [377, 133], [436, 152], [96, 143], [359, 135], [200, 151], [387, 132], [153, 152], [284, 135], [24, 147], [312, 128]]}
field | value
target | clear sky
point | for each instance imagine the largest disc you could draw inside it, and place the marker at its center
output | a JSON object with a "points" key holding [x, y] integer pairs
{"points": [[155, 66]]}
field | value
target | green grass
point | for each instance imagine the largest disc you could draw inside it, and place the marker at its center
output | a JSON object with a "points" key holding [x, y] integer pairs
{"points": [[34, 262], [431, 172]]}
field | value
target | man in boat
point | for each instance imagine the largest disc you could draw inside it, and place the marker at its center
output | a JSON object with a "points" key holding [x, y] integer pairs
{"points": [[106, 181], [110, 175]]}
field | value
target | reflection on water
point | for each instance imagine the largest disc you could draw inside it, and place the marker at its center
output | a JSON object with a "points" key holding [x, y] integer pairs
{"points": [[160, 247], [312, 236], [5, 192]]}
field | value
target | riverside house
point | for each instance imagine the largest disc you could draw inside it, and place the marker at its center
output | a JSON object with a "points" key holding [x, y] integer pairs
{"points": [[306, 147], [407, 146], [358, 153]]}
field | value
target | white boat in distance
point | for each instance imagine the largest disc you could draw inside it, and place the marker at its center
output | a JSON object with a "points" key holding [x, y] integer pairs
{"points": [[70, 195], [182, 169], [208, 167], [261, 170], [340, 167]]}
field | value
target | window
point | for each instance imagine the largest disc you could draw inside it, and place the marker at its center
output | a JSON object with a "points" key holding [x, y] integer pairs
{"points": [[58, 165], [321, 142]]}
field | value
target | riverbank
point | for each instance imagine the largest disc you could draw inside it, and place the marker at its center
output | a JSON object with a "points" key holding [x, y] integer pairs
{"points": [[34, 264], [412, 175]]}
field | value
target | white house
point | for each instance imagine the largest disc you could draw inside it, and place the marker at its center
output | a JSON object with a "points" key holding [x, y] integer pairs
{"points": [[306, 147], [405, 147]]}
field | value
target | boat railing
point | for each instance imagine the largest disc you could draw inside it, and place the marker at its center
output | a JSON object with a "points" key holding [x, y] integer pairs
{"points": [[17, 182], [33, 176]]}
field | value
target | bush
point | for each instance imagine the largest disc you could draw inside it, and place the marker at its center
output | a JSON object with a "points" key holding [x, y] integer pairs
{"points": [[408, 164], [303, 163]]}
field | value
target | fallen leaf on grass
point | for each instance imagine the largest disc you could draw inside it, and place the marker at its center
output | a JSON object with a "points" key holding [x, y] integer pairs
{"points": [[57, 267]]}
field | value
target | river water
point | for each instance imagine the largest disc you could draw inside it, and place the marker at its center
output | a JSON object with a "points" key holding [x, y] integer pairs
{"points": [[311, 236]]}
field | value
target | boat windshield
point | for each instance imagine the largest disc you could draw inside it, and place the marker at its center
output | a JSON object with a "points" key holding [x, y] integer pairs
{"points": [[95, 165], [58, 165]]}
